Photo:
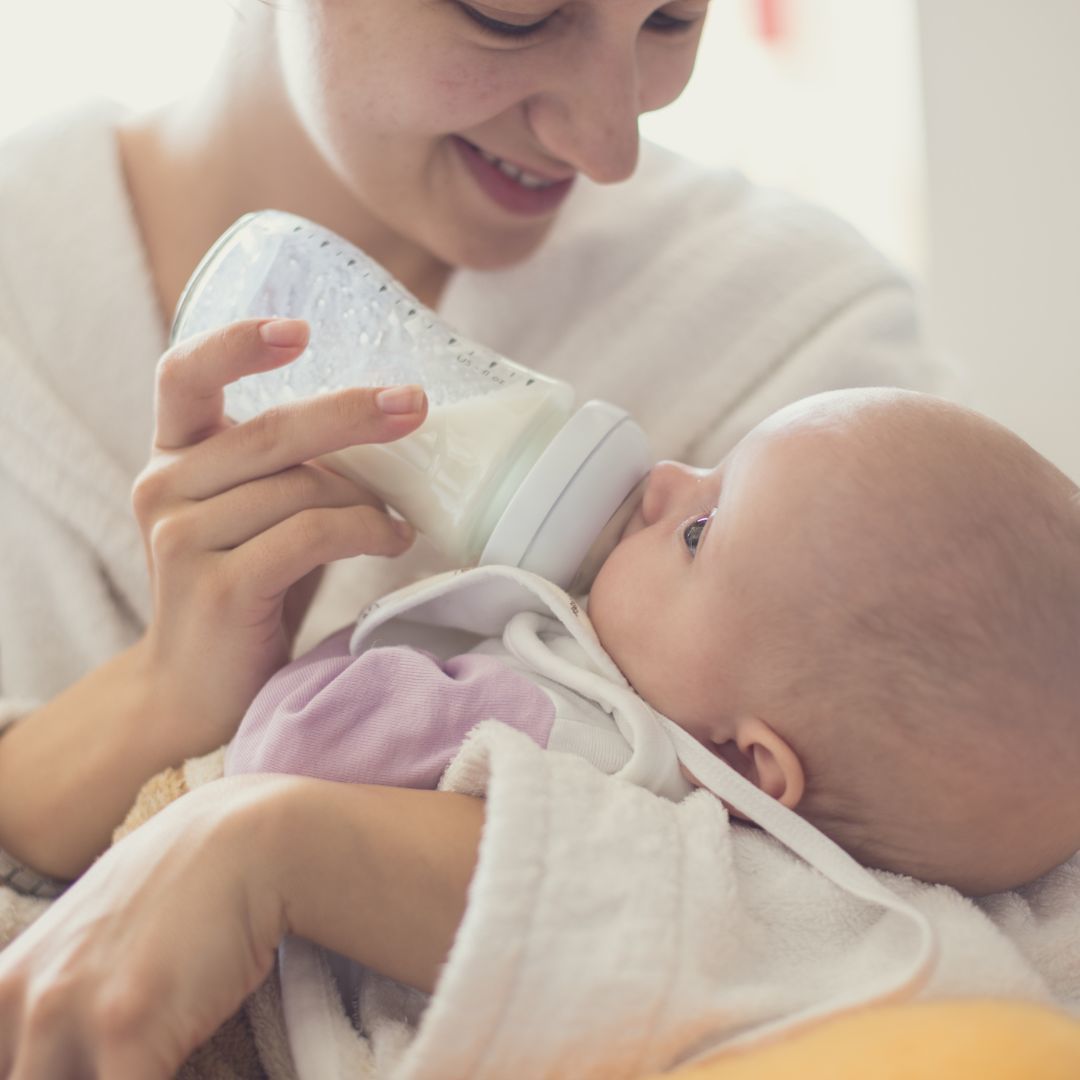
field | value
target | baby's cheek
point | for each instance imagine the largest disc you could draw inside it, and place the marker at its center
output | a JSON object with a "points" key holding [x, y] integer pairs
{"points": [[606, 597], [619, 610]]}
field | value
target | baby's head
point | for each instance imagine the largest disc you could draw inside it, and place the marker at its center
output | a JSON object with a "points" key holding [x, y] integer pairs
{"points": [[871, 609]]}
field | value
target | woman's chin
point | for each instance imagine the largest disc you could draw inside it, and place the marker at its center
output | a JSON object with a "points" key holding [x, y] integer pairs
{"points": [[492, 249]]}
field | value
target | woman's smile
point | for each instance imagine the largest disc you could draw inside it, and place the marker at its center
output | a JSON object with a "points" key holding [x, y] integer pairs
{"points": [[511, 186]]}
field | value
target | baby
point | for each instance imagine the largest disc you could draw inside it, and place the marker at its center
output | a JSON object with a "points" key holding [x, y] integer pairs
{"points": [[870, 609]]}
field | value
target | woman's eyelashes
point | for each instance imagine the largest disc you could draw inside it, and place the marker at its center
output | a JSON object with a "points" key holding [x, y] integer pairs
{"points": [[503, 29], [692, 532], [662, 23], [659, 21]]}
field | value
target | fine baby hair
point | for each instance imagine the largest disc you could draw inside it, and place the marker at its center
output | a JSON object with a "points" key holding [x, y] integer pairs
{"points": [[928, 677]]}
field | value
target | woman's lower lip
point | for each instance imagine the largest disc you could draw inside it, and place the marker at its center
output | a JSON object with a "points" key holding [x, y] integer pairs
{"points": [[507, 192]]}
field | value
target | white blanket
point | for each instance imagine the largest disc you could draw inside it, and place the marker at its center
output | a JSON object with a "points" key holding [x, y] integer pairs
{"points": [[611, 932]]}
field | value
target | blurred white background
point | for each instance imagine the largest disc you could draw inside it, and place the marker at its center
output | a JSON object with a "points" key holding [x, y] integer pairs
{"points": [[1001, 80], [825, 97]]}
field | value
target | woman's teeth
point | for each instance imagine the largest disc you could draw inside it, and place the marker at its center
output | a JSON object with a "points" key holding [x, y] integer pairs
{"points": [[525, 179]]}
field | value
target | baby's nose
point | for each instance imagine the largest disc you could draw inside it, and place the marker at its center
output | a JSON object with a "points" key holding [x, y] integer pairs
{"points": [[665, 482]]}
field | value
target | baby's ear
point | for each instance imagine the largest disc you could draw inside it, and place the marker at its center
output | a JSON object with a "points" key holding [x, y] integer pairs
{"points": [[766, 759]]}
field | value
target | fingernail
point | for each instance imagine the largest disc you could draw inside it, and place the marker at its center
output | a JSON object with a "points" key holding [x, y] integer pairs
{"points": [[283, 333], [398, 400], [403, 528]]}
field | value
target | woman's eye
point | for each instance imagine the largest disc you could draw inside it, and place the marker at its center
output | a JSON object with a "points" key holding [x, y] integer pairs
{"points": [[659, 22], [692, 532], [663, 23], [502, 29]]}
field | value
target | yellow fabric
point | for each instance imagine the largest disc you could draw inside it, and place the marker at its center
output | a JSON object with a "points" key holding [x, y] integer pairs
{"points": [[155, 795], [943, 1040]]}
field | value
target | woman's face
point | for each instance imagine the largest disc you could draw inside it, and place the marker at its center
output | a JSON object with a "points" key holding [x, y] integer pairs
{"points": [[411, 101]]}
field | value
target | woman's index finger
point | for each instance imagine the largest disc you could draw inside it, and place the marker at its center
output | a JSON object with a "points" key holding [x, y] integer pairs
{"points": [[193, 374]]}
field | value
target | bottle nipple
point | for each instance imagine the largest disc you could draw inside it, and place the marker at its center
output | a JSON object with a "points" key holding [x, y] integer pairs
{"points": [[572, 506], [606, 541]]}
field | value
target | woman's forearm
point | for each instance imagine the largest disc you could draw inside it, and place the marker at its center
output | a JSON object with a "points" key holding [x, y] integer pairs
{"points": [[70, 771], [378, 874]]}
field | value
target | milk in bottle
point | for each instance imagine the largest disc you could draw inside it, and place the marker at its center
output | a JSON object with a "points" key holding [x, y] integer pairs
{"points": [[502, 470]]}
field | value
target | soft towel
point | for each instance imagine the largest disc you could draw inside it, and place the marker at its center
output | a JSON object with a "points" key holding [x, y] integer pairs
{"points": [[1041, 922]]}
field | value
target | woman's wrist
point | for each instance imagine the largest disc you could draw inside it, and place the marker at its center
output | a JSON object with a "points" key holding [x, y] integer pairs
{"points": [[70, 771], [172, 724], [378, 874]]}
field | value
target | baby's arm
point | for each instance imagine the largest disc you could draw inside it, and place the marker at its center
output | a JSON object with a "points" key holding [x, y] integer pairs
{"points": [[391, 715]]}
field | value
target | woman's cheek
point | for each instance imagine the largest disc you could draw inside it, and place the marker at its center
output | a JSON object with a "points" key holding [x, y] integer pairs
{"points": [[665, 72], [469, 87]]}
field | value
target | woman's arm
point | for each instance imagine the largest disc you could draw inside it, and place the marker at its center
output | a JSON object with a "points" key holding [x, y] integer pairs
{"points": [[162, 939], [70, 770], [236, 521], [398, 863]]}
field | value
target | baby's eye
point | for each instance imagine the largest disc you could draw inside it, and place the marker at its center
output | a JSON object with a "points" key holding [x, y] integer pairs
{"points": [[692, 532]]}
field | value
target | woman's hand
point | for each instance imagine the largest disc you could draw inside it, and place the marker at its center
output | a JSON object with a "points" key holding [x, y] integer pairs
{"points": [[167, 933], [158, 944], [237, 519]]}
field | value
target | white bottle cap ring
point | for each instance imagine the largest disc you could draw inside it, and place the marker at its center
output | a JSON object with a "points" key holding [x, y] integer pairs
{"points": [[580, 480]]}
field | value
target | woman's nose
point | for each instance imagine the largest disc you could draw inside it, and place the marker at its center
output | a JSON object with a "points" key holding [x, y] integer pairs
{"points": [[667, 482], [588, 117]]}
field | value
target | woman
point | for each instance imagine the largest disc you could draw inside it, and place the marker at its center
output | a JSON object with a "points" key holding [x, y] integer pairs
{"points": [[468, 147]]}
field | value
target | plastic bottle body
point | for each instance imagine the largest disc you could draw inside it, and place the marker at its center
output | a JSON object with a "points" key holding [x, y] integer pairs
{"points": [[453, 477], [489, 418]]}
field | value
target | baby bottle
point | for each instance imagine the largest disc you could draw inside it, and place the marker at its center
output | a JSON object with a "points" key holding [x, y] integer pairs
{"points": [[503, 470]]}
